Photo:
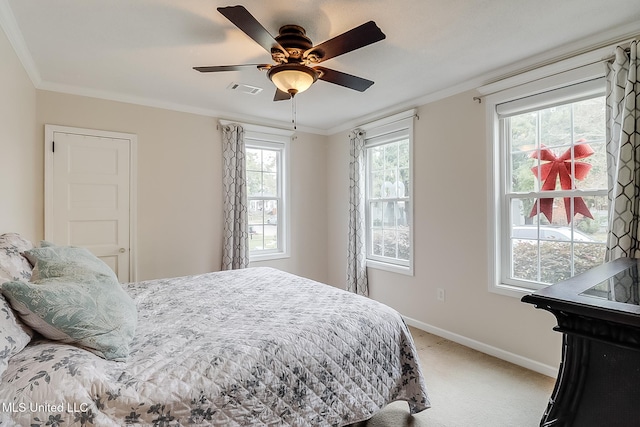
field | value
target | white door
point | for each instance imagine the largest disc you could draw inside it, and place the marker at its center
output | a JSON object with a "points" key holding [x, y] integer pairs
{"points": [[88, 189]]}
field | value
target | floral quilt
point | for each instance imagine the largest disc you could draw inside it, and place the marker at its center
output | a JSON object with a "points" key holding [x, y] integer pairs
{"points": [[252, 347]]}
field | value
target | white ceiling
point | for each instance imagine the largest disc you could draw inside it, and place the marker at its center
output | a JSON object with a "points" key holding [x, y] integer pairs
{"points": [[143, 51]]}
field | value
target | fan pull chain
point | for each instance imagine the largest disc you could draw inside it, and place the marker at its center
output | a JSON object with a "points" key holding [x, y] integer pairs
{"points": [[293, 112]]}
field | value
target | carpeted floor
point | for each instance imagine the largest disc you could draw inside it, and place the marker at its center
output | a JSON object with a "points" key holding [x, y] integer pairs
{"points": [[470, 389]]}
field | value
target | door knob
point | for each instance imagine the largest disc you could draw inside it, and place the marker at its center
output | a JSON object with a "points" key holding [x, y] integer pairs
{"points": [[122, 250]]}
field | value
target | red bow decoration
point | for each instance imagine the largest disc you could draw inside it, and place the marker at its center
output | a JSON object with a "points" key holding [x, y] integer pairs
{"points": [[561, 166]]}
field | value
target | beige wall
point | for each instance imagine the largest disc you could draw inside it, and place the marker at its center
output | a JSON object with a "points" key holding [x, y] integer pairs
{"points": [[450, 218], [21, 165], [180, 184]]}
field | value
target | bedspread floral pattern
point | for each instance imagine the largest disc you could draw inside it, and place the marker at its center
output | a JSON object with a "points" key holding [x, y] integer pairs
{"points": [[254, 347]]}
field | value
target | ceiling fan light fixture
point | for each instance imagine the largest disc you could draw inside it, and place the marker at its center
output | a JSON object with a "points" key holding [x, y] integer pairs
{"points": [[292, 78]]}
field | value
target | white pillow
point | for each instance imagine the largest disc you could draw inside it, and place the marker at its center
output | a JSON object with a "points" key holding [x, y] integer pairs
{"points": [[13, 265], [14, 336]]}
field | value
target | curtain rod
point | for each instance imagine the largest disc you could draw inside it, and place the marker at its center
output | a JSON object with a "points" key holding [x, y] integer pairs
{"points": [[481, 97], [394, 118], [360, 132], [626, 45]]}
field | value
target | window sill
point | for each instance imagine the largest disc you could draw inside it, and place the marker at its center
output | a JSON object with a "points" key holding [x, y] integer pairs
{"points": [[510, 290], [401, 269], [268, 257]]}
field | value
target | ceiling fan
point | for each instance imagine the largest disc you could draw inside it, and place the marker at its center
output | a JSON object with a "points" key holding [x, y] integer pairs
{"points": [[295, 56]]}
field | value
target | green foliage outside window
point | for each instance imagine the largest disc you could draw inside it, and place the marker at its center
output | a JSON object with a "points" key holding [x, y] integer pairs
{"points": [[557, 128]]}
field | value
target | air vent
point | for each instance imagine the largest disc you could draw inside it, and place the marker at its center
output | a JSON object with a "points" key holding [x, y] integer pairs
{"points": [[241, 87]]}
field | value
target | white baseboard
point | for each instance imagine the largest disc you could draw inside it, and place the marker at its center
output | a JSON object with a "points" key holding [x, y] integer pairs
{"points": [[541, 368]]}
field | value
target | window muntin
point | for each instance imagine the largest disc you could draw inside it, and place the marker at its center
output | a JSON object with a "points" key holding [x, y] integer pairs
{"points": [[388, 198], [263, 196], [538, 250], [267, 193]]}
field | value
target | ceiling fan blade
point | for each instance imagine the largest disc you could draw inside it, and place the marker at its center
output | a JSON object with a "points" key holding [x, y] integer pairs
{"points": [[281, 95], [353, 39], [242, 19], [344, 79], [216, 68]]}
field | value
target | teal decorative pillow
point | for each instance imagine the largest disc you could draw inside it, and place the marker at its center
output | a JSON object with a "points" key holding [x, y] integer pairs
{"points": [[65, 261], [75, 298]]}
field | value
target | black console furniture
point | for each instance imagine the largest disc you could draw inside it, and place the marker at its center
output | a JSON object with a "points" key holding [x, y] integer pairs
{"points": [[598, 312]]}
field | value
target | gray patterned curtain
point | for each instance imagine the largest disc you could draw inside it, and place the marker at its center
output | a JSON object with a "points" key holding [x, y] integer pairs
{"points": [[357, 250], [235, 251], [623, 153]]}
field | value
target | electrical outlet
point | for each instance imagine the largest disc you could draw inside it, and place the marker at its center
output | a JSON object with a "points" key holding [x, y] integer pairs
{"points": [[440, 294]]}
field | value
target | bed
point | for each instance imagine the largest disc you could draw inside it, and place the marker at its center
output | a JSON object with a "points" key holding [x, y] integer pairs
{"points": [[251, 347]]}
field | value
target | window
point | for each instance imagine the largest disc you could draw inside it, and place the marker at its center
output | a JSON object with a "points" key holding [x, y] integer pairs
{"points": [[551, 177], [266, 167], [388, 213]]}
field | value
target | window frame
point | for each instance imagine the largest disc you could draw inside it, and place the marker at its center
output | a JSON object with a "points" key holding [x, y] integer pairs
{"points": [[569, 86], [402, 125], [257, 136]]}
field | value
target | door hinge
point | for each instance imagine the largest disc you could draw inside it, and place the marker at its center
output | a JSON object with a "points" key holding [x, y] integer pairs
{"points": [[53, 146]]}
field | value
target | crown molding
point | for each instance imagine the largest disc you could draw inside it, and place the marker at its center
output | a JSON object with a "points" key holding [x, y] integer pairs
{"points": [[591, 47], [588, 50], [172, 106], [10, 26], [582, 52]]}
